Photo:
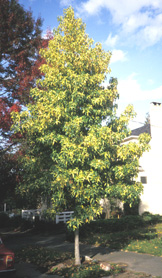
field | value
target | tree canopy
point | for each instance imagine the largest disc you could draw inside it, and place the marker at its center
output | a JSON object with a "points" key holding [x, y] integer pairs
{"points": [[71, 155], [19, 60], [20, 41]]}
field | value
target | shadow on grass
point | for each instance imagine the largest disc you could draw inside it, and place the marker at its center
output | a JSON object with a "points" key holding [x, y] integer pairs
{"points": [[119, 233], [119, 240]]}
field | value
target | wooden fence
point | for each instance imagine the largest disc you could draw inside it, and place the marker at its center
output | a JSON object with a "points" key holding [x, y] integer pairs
{"points": [[30, 214], [63, 216]]}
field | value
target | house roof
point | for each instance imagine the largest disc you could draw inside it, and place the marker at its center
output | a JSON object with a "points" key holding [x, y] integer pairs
{"points": [[143, 129]]}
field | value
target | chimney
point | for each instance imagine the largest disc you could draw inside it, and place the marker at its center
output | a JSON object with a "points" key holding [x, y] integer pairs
{"points": [[156, 103]]}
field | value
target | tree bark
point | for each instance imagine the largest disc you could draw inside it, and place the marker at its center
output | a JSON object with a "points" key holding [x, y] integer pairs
{"points": [[77, 251]]}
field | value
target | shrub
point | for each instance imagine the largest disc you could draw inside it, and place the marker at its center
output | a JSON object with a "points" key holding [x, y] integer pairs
{"points": [[15, 221], [124, 224], [151, 219], [49, 226], [114, 225], [4, 220]]}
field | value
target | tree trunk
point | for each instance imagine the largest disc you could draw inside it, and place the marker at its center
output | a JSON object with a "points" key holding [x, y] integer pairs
{"points": [[77, 252]]}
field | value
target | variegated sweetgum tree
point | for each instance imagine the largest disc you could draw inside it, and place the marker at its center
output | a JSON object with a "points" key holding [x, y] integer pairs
{"points": [[72, 156]]}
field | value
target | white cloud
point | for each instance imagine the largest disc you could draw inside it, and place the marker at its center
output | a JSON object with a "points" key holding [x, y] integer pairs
{"points": [[141, 20], [111, 41], [118, 55], [120, 10], [134, 21], [91, 7], [149, 36], [130, 91], [151, 81], [66, 2]]}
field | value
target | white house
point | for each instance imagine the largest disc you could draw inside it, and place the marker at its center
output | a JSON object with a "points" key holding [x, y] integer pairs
{"points": [[150, 173]]}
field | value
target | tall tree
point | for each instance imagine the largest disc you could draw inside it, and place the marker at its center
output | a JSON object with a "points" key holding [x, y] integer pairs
{"points": [[20, 41], [71, 156]]}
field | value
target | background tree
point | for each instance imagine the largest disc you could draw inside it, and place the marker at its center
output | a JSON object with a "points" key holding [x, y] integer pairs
{"points": [[20, 41], [19, 60], [9, 178], [147, 118], [71, 156]]}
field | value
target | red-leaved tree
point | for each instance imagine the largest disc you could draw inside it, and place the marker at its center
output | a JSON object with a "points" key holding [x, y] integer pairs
{"points": [[20, 41]]}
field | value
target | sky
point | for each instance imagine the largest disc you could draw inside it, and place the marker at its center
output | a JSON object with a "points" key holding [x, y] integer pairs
{"points": [[132, 31]]}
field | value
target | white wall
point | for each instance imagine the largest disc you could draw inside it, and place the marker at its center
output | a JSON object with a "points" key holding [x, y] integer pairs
{"points": [[151, 162]]}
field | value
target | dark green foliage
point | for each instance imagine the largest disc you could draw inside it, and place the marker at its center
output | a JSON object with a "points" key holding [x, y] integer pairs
{"points": [[49, 226], [8, 177], [125, 225], [114, 225], [4, 220], [151, 218], [133, 210], [20, 224], [90, 270], [15, 222]]}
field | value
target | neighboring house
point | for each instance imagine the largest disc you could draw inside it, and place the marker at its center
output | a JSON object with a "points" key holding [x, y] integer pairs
{"points": [[150, 172]]}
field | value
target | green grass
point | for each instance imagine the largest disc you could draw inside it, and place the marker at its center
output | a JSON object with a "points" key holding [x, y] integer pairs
{"points": [[146, 239], [120, 240], [151, 246], [48, 261]]}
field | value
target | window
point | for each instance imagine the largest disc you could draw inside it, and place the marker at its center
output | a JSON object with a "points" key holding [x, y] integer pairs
{"points": [[144, 180]]}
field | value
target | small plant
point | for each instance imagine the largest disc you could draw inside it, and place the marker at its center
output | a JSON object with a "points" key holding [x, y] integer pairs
{"points": [[88, 270]]}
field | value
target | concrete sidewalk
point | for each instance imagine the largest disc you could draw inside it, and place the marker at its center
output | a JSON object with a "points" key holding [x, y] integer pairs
{"points": [[137, 262], [148, 264]]}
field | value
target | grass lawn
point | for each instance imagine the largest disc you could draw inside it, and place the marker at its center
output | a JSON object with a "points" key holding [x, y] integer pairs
{"points": [[147, 238], [152, 246]]}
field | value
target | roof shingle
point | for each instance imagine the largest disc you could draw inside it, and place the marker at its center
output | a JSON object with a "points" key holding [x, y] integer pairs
{"points": [[143, 129]]}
